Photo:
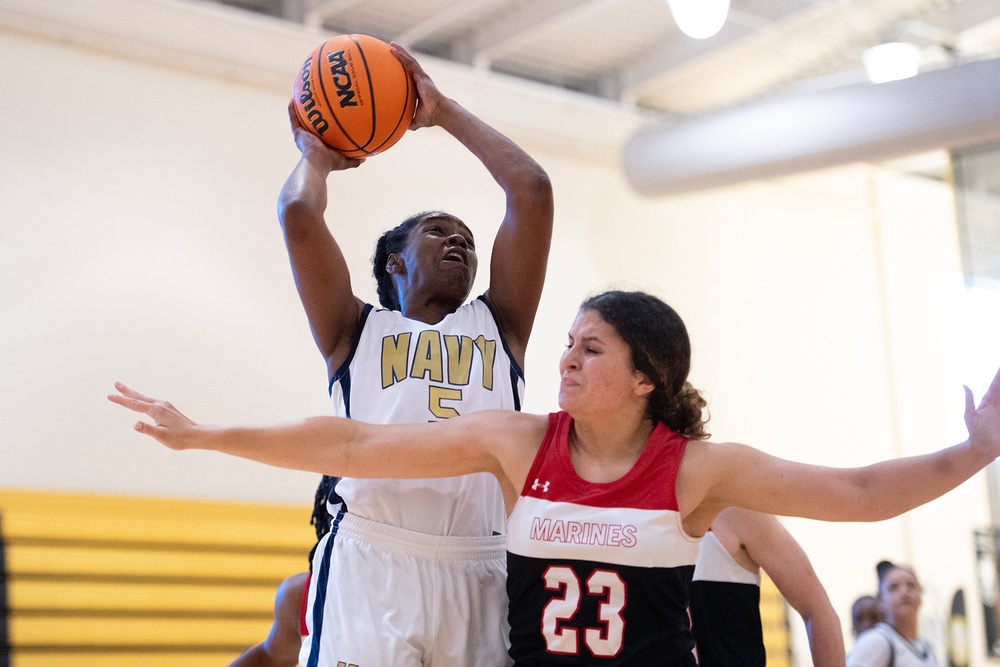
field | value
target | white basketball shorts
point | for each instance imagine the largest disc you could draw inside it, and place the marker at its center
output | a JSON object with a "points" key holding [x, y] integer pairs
{"points": [[381, 596]]}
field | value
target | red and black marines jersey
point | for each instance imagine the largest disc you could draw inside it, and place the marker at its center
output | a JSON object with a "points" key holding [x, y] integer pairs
{"points": [[597, 574]]}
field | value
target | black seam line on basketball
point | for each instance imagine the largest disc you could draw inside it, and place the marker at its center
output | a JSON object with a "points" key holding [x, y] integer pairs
{"points": [[322, 86], [402, 113], [371, 95], [319, 82]]}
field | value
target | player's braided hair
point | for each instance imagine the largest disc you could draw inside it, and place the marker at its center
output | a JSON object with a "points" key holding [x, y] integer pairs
{"points": [[390, 242], [320, 516], [661, 350]]}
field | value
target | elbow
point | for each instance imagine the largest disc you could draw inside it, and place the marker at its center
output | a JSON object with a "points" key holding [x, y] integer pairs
{"points": [[535, 195], [297, 215], [537, 181], [531, 182]]}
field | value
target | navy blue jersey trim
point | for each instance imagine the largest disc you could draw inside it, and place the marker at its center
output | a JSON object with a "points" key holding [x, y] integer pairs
{"points": [[516, 373], [319, 604], [343, 374]]}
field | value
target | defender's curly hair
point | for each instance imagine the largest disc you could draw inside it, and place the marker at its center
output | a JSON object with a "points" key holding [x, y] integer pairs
{"points": [[661, 350]]}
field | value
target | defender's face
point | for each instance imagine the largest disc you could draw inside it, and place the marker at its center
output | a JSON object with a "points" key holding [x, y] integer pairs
{"points": [[596, 368]]}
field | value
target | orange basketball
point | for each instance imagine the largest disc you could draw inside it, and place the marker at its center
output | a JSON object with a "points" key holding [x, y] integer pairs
{"points": [[355, 95]]}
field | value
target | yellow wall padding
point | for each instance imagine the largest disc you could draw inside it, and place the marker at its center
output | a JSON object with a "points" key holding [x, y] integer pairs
{"points": [[98, 579], [130, 581]]}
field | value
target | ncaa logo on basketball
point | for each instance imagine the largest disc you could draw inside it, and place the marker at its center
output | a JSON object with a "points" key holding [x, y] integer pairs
{"points": [[309, 103], [342, 79]]}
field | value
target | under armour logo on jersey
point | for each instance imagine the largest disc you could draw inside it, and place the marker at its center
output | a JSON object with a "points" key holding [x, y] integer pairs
{"points": [[544, 487]]}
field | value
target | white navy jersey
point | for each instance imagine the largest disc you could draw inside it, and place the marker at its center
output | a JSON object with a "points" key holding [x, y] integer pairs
{"points": [[406, 371], [597, 574], [725, 609], [882, 646]]}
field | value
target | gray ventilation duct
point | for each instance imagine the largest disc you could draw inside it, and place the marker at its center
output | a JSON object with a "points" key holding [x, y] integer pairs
{"points": [[948, 108]]}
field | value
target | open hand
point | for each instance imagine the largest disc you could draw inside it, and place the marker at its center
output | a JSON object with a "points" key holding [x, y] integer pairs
{"points": [[984, 422], [169, 427]]}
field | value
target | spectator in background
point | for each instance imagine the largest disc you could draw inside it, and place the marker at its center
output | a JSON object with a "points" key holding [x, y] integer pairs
{"points": [[866, 613], [895, 642]]}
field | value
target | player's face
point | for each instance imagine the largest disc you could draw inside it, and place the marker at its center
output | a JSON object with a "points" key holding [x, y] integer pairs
{"points": [[596, 369], [901, 593], [441, 257]]}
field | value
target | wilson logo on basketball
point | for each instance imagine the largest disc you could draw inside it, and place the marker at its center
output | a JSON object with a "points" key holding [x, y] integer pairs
{"points": [[308, 103], [342, 79]]}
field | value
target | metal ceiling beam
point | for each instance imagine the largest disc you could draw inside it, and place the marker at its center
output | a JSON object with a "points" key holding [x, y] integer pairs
{"points": [[949, 108], [442, 20], [320, 10], [962, 15], [628, 83], [512, 31], [293, 10]]}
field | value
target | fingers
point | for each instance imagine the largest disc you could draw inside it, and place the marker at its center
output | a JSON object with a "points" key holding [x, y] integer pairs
{"points": [[131, 393], [405, 58], [168, 424], [131, 399], [992, 394], [970, 405], [422, 81], [293, 117]]}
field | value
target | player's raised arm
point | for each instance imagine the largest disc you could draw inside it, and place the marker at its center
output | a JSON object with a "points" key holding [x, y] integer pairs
{"points": [[521, 248], [318, 265]]}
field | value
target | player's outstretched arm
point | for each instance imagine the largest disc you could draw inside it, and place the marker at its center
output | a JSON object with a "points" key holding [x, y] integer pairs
{"points": [[521, 248], [770, 546], [318, 265], [500, 442], [714, 476]]}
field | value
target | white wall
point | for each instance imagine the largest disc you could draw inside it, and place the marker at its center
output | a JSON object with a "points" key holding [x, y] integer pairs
{"points": [[138, 241]]}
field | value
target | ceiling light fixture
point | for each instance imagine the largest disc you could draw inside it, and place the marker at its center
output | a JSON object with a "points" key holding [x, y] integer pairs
{"points": [[891, 61], [699, 18]]}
